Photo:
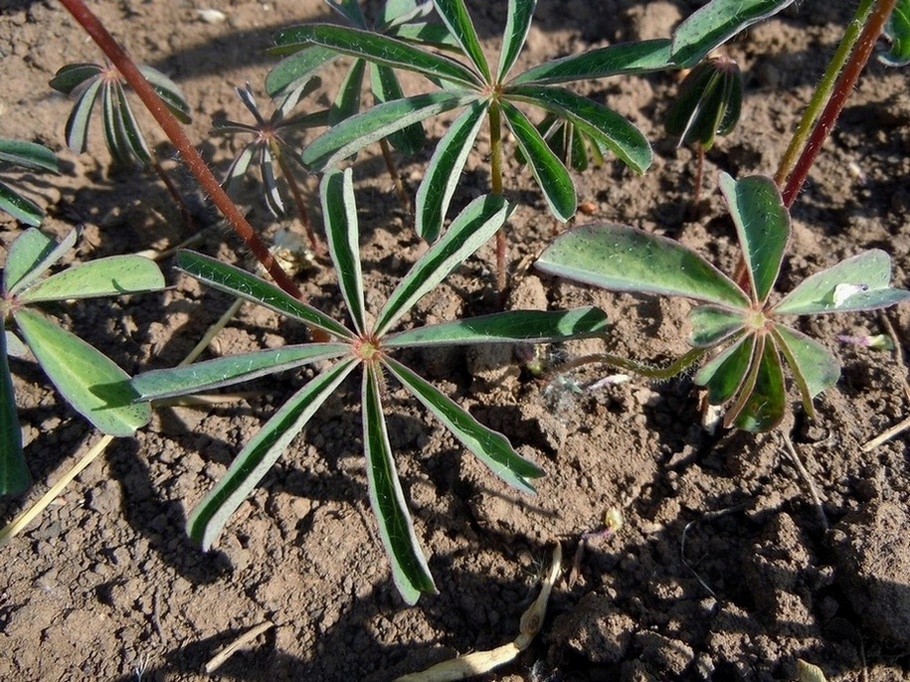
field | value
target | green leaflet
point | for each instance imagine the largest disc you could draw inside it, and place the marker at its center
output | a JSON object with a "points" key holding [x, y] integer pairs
{"points": [[615, 60], [623, 258], [518, 22], [14, 476], [89, 381], [528, 326], [455, 16], [337, 191], [409, 565], [110, 276]]}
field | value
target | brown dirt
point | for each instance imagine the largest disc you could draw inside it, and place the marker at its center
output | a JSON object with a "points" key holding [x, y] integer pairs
{"points": [[722, 570]]}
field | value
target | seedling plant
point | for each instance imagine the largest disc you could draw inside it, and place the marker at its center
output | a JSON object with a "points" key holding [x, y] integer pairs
{"points": [[367, 343], [741, 328], [86, 378]]}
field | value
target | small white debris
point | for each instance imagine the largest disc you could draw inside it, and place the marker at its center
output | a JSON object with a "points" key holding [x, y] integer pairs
{"points": [[211, 16], [844, 291]]}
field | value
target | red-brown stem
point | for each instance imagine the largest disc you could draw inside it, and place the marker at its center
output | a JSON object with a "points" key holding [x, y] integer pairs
{"points": [[185, 215], [171, 127], [699, 175], [826, 120], [288, 173]]}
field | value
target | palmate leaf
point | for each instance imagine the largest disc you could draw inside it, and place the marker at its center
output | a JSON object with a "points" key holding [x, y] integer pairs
{"points": [[614, 60], [240, 283], [717, 22], [21, 208], [409, 565], [14, 476], [89, 381], [514, 326], [474, 226], [601, 124], [763, 225], [711, 325], [444, 170], [232, 369], [337, 191], [112, 276], [455, 16], [622, 258], [491, 447], [30, 256], [855, 284], [351, 135], [518, 22], [379, 49], [551, 175], [212, 513]]}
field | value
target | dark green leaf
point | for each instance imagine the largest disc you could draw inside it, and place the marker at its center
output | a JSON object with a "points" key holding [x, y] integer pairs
{"points": [[240, 283], [169, 92], [28, 155], [711, 325], [111, 276], [717, 22], [765, 404], [129, 137], [603, 125], [232, 369], [444, 171], [78, 122], [491, 447], [476, 224], [763, 225], [615, 60], [212, 513], [514, 326], [14, 476], [21, 208], [347, 101], [89, 381], [549, 172], [518, 21], [409, 566], [814, 367], [355, 133], [340, 215], [724, 374], [897, 31], [622, 258], [71, 76], [299, 67], [380, 49], [455, 16], [31, 255]]}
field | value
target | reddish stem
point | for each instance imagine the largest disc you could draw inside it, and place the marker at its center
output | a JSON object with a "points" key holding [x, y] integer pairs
{"points": [[171, 127], [848, 78]]}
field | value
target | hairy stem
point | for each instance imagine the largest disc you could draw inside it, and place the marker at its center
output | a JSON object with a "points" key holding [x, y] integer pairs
{"points": [[823, 91], [172, 128], [842, 89]]}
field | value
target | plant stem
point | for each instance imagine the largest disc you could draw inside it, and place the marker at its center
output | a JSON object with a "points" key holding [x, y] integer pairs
{"points": [[127, 68], [495, 119], [823, 91], [393, 173], [842, 89], [660, 373]]}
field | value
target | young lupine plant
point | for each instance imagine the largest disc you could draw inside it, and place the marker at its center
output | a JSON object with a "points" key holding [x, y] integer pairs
{"points": [[28, 156], [89, 83], [494, 95], [709, 103], [369, 344], [87, 379], [270, 147], [745, 330]]}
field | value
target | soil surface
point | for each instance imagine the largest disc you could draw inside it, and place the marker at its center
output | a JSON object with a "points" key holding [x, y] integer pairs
{"points": [[724, 568]]}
